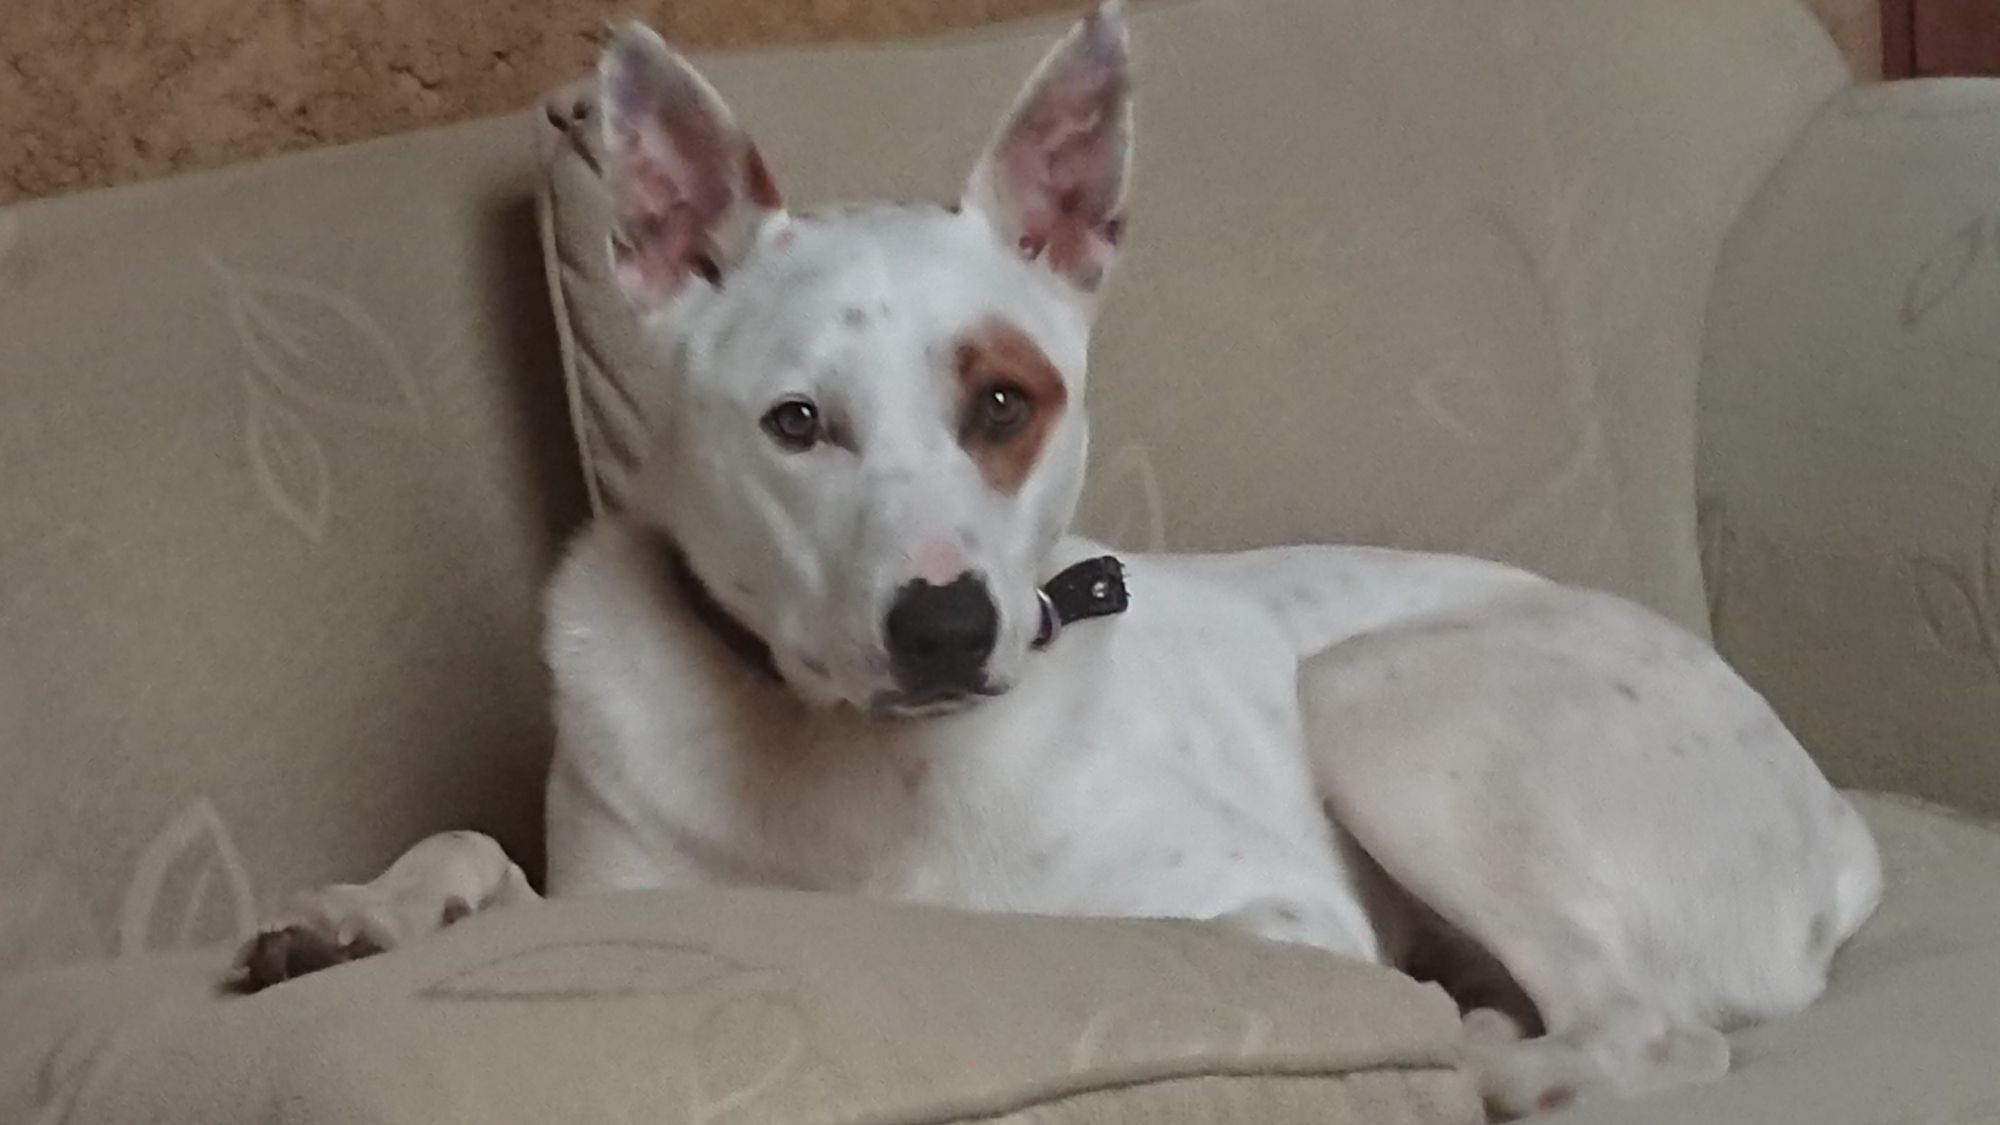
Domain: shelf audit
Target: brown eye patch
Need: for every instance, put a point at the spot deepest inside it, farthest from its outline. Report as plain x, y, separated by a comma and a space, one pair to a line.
1009, 399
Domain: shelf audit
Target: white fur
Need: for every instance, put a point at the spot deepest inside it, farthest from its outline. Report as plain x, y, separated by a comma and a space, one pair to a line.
1516, 771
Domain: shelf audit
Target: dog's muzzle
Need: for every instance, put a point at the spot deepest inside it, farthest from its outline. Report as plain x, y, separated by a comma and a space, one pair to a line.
939, 638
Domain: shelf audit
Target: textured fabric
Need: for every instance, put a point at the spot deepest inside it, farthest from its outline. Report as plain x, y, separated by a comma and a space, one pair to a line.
1905, 1034
749, 1007
740, 1007
1431, 274
283, 463
1850, 426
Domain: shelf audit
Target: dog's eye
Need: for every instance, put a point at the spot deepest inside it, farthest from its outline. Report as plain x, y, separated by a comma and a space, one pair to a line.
794, 424
1000, 412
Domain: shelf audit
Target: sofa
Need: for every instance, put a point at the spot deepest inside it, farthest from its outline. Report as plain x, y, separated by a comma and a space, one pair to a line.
1645, 296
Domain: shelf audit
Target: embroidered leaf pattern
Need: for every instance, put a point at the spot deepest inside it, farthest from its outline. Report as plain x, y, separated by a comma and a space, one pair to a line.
1943, 272
1125, 509
1991, 550
193, 851
744, 1047
321, 350
289, 465
1714, 537
1982, 1112
592, 970
1168, 1028
1949, 608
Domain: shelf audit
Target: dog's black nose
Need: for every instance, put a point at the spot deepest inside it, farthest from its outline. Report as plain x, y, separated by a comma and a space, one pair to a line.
940, 636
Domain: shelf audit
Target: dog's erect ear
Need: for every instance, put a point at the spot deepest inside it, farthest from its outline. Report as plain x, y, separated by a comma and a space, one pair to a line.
688, 187
1053, 180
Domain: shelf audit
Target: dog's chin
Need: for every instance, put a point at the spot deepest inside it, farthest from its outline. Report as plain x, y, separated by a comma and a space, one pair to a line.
926, 705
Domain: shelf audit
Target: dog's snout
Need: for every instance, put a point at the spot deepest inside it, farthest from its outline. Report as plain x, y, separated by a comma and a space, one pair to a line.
940, 636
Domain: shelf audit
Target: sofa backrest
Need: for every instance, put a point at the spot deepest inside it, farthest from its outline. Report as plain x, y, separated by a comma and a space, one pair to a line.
283, 462
1850, 424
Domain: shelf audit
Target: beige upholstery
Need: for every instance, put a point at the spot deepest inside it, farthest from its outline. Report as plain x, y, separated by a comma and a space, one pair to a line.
783, 1008
282, 466
714, 1007
1851, 441
286, 453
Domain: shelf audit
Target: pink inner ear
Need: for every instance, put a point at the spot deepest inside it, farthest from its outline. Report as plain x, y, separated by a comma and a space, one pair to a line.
679, 169
1062, 165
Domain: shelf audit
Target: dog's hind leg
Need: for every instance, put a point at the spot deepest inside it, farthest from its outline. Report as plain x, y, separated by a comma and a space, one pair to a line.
1598, 1042
439, 881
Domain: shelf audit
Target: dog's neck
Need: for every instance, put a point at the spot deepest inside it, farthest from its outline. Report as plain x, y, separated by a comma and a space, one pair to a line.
735, 636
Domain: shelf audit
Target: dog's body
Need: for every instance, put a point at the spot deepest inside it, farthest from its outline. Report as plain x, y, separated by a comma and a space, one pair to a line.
875, 444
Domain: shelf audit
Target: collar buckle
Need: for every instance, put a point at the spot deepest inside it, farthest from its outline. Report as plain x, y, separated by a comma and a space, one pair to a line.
1091, 588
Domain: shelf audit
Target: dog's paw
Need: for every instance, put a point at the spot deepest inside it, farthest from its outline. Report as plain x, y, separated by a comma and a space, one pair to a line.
1489, 1027
442, 879
332, 926
278, 954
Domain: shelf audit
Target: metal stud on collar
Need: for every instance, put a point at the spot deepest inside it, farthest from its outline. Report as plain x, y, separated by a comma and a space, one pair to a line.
1051, 620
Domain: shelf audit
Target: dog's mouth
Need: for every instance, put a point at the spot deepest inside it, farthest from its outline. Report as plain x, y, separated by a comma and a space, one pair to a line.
931, 702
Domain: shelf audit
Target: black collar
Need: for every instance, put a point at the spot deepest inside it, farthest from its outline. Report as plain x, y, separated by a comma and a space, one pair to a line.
734, 635
1091, 588
1080, 591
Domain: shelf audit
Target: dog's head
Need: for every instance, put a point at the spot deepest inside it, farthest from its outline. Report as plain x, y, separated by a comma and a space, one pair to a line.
875, 434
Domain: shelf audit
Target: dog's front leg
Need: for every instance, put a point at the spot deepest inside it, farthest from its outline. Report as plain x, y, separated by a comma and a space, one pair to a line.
439, 881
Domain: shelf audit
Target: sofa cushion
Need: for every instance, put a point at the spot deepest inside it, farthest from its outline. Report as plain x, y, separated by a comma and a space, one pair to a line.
283, 464
761, 1006
745, 1007
1409, 272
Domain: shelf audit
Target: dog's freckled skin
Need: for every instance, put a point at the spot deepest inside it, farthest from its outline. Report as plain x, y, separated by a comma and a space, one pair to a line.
1259, 739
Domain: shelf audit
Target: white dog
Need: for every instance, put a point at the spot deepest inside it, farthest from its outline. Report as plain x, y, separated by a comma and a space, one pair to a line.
826, 649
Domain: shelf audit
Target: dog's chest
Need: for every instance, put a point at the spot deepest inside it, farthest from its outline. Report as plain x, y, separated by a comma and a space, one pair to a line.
1148, 764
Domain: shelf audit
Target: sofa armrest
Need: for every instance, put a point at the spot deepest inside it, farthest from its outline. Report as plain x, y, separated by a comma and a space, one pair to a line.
1850, 440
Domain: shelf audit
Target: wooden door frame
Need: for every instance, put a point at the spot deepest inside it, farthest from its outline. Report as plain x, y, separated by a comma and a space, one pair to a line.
1899, 38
